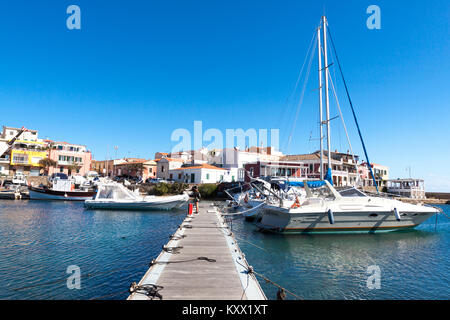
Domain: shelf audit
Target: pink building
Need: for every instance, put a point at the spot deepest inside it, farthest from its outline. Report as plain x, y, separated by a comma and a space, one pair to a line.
71, 159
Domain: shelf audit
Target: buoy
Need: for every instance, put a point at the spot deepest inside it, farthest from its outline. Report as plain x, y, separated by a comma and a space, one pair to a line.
397, 214
330, 216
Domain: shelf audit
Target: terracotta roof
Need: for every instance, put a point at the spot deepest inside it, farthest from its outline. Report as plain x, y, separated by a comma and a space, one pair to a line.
202, 166
309, 156
172, 159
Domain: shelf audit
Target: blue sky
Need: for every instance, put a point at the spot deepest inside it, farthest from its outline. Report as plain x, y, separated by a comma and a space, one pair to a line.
137, 70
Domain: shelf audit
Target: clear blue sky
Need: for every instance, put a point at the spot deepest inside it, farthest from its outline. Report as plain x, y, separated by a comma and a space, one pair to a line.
137, 70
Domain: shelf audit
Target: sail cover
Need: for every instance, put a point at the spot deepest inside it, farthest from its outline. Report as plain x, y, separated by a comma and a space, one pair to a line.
328, 176
311, 184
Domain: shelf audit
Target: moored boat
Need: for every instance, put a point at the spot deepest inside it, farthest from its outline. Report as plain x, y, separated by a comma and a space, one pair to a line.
51, 194
61, 188
115, 196
330, 212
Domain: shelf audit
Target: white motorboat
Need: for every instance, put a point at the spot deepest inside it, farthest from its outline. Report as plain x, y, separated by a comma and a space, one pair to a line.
115, 196
325, 210
19, 179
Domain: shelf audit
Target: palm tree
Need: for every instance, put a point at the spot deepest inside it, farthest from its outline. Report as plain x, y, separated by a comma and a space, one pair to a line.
47, 163
73, 167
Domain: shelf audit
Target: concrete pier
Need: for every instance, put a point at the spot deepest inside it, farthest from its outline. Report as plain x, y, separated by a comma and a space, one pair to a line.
202, 262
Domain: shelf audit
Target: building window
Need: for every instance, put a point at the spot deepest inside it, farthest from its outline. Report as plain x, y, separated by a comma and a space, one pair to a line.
162, 168
179, 176
171, 175
207, 176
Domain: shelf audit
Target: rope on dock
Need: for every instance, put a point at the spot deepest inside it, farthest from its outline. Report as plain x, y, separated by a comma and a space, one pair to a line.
181, 261
281, 294
173, 250
242, 212
150, 290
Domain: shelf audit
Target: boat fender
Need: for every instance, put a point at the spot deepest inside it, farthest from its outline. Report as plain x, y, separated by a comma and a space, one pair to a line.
330, 216
397, 214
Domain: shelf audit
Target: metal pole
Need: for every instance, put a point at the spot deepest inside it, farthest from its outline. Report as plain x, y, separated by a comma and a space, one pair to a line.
320, 105
327, 99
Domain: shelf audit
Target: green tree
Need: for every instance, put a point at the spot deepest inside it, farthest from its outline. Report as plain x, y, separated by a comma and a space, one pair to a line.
73, 168
47, 163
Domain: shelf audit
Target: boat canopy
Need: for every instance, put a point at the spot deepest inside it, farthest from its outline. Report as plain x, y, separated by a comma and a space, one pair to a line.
114, 191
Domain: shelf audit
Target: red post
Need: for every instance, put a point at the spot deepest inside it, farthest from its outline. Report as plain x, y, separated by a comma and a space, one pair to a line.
190, 208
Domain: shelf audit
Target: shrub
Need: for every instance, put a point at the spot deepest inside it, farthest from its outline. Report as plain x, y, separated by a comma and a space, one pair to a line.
161, 189
177, 187
208, 191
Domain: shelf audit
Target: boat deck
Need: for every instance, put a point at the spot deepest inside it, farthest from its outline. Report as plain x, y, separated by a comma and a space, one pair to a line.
185, 277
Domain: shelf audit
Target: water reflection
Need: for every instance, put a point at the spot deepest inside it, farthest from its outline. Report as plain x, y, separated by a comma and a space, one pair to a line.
414, 263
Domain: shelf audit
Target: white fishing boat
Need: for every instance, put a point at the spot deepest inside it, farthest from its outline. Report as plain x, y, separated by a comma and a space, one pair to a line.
61, 188
325, 210
115, 196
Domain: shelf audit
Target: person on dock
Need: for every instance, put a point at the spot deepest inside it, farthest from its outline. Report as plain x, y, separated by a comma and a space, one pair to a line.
197, 196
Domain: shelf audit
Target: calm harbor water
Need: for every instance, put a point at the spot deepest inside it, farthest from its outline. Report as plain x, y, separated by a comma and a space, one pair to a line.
39, 240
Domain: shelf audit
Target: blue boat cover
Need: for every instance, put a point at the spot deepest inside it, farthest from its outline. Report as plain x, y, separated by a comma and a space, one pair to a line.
311, 184
328, 176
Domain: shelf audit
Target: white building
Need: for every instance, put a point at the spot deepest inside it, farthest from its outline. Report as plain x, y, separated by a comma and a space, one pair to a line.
236, 159
165, 165
204, 173
410, 188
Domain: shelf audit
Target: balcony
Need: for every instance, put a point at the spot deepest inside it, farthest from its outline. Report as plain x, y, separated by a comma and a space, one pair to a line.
69, 163
4, 160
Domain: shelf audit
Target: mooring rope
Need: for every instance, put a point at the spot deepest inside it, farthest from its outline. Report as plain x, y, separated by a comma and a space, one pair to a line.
153, 262
242, 212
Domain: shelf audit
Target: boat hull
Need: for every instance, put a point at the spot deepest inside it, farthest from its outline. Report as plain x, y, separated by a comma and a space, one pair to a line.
275, 220
156, 204
47, 194
252, 209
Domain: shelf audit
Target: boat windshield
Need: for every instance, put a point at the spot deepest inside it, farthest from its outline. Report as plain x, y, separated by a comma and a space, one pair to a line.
322, 192
352, 192
114, 192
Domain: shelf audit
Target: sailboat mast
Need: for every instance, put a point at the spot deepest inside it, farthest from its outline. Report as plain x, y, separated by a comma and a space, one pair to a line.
319, 46
327, 99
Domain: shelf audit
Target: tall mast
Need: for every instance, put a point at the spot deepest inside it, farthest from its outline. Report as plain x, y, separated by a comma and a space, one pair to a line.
319, 46
327, 100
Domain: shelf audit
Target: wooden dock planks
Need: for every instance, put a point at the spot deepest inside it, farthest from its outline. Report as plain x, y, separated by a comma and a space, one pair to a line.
205, 235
